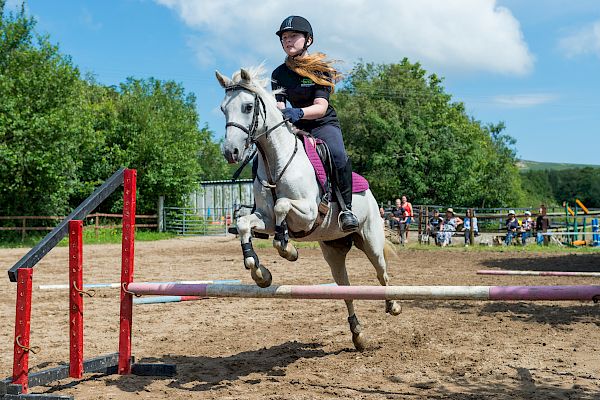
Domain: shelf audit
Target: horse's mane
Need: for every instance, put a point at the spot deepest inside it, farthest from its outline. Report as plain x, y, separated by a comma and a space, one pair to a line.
257, 83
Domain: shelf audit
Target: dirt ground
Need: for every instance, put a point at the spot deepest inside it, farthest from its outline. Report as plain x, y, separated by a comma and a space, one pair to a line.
302, 349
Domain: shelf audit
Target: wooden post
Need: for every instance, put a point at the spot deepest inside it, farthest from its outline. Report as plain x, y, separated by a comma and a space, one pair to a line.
75, 299
23, 229
161, 214
97, 226
472, 228
22, 328
127, 266
420, 220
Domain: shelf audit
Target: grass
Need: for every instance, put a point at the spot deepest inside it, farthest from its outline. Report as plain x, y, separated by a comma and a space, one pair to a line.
531, 248
526, 165
105, 236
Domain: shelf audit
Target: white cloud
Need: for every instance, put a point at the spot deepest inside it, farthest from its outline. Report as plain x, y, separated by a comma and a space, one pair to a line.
584, 41
524, 100
457, 35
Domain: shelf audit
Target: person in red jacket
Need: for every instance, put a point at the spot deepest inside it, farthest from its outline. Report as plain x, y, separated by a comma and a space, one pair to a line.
409, 211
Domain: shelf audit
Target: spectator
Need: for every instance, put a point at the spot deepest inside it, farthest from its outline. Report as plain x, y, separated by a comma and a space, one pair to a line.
384, 217
398, 217
409, 216
467, 227
526, 227
433, 225
542, 223
448, 228
512, 227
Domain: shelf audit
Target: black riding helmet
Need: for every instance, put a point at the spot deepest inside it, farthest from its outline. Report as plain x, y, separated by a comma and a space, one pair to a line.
297, 24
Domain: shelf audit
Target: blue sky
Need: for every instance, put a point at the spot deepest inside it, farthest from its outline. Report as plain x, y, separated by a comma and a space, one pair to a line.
533, 64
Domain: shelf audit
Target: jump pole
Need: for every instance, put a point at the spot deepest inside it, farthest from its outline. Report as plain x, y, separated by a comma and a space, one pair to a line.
316, 292
538, 273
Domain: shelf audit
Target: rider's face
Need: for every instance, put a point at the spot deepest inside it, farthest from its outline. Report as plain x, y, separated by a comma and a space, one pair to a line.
293, 43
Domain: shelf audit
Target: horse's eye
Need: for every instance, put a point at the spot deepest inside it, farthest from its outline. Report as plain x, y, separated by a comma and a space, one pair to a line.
247, 108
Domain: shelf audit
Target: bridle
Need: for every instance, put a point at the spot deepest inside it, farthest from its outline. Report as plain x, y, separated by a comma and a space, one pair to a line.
252, 129
253, 135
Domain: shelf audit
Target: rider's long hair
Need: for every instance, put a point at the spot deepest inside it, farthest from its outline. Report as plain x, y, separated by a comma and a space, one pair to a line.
316, 67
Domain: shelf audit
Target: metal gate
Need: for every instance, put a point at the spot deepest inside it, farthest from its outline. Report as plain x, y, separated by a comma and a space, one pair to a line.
192, 221
211, 208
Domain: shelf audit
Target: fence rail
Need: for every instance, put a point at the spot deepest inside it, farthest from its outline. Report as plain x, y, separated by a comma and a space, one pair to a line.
23, 227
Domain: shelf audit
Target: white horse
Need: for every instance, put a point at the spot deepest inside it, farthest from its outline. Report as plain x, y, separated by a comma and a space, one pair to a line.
287, 193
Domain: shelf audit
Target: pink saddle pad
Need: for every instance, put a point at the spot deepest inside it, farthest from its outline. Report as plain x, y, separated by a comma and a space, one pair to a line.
359, 183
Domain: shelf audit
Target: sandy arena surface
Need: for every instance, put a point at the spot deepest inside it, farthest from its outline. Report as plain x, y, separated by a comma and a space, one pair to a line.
293, 349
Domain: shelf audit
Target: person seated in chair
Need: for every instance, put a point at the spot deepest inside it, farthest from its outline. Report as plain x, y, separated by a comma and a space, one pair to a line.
434, 224
398, 217
306, 81
527, 226
512, 227
448, 228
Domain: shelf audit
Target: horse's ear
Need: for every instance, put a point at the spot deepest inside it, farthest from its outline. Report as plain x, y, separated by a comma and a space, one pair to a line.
223, 80
245, 75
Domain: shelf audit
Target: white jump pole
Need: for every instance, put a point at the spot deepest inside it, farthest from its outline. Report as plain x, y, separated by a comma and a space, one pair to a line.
548, 293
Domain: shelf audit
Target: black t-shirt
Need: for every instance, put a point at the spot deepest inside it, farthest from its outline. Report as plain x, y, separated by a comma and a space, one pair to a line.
301, 92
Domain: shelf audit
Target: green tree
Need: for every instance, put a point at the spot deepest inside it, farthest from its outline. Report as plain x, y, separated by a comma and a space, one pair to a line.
152, 126
40, 118
406, 136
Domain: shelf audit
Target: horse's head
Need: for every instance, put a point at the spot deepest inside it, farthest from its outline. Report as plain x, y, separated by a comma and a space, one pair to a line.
245, 113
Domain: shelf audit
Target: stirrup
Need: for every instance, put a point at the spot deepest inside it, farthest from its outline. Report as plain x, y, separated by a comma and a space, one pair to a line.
350, 227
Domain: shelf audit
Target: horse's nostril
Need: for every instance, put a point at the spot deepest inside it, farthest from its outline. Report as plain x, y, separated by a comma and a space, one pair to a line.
236, 152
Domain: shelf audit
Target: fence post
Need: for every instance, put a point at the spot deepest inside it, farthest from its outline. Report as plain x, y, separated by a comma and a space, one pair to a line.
75, 299
23, 228
161, 214
97, 226
471, 228
127, 265
419, 231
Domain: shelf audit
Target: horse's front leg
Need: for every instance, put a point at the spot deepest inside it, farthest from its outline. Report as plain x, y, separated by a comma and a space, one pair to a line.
303, 215
245, 224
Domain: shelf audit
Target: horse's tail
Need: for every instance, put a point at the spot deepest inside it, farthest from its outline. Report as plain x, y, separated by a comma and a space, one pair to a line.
389, 250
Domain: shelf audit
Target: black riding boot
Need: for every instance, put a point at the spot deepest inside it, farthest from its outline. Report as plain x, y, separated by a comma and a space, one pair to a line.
347, 219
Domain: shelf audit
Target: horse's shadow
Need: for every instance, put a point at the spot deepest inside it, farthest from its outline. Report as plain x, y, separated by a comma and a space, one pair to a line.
201, 373
557, 316
588, 262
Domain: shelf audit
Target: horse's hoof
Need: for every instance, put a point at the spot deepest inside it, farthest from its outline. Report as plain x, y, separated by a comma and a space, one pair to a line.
262, 276
360, 341
292, 252
393, 307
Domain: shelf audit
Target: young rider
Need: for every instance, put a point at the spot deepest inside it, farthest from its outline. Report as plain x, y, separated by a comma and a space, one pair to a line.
308, 80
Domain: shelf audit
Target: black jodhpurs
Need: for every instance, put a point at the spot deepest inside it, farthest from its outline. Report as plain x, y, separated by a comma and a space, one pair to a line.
332, 135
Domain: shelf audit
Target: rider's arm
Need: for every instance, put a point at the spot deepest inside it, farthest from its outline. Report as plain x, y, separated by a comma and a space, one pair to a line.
316, 110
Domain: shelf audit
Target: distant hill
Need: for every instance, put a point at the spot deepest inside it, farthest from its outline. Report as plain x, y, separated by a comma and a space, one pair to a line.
526, 165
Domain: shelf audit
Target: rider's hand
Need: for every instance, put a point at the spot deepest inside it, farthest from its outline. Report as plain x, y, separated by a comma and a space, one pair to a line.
292, 114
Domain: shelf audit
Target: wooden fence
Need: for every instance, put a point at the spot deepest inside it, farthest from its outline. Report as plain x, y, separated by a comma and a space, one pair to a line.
23, 227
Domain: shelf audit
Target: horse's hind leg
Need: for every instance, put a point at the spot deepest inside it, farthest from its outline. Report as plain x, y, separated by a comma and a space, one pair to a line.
335, 252
375, 251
